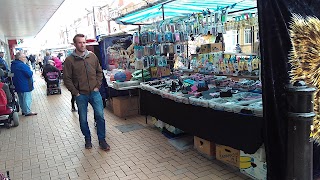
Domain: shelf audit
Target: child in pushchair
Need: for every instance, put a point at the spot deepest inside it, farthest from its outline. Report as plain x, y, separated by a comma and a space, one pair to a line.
52, 77
53, 83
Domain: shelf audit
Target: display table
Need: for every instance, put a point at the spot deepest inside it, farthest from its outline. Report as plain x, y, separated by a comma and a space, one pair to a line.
243, 132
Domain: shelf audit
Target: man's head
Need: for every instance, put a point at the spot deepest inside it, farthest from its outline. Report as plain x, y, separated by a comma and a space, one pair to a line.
47, 53
20, 56
1, 54
79, 42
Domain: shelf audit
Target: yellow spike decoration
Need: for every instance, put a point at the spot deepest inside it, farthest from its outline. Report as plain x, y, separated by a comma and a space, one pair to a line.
305, 59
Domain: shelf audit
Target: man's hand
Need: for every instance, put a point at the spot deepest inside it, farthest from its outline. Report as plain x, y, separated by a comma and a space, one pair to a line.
78, 94
96, 89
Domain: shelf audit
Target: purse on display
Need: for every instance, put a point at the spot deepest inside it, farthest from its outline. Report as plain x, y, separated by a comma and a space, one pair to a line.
177, 37
168, 37
171, 48
152, 50
146, 62
146, 50
144, 38
162, 61
138, 51
157, 49
178, 49
164, 48
152, 61
159, 38
151, 37
136, 38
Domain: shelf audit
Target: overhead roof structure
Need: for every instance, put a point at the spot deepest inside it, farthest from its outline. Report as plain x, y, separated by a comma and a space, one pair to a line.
25, 18
174, 8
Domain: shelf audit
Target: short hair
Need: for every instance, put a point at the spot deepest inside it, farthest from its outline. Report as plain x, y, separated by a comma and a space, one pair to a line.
47, 54
78, 35
17, 55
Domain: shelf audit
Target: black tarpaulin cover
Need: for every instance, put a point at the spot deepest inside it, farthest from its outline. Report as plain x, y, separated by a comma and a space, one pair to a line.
274, 19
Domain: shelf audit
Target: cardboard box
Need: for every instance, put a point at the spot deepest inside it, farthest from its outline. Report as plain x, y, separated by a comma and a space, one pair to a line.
125, 106
110, 104
257, 171
205, 147
216, 47
254, 165
204, 48
228, 155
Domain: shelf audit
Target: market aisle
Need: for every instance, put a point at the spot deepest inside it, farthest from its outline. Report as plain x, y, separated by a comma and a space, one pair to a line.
50, 146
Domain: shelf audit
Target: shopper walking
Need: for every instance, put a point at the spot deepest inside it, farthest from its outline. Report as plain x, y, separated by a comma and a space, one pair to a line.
3, 62
46, 58
82, 75
23, 82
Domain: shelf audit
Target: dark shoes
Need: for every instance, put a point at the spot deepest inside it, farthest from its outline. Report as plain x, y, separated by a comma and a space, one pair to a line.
88, 144
30, 114
73, 109
104, 145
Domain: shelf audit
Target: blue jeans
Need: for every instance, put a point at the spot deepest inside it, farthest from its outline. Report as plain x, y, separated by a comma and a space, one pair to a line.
94, 98
25, 100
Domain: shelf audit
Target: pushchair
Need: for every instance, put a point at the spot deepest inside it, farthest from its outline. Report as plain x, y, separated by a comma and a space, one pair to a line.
53, 83
9, 117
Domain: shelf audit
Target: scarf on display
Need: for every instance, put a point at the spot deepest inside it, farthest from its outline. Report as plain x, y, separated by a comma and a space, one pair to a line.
305, 60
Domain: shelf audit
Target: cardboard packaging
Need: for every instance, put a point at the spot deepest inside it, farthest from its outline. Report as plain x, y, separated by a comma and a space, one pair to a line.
204, 48
205, 147
228, 155
254, 165
125, 106
216, 47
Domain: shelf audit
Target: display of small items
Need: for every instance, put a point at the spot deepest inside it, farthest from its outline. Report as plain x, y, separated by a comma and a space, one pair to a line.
119, 57
247, 65
153, 47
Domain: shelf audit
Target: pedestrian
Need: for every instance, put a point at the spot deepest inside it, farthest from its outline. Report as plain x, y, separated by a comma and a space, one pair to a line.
23, 82
46, 58
3, 62
40, 62
32, 59
82, 75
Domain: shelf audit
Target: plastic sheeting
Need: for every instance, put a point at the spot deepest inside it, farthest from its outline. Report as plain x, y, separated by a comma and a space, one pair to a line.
184, 8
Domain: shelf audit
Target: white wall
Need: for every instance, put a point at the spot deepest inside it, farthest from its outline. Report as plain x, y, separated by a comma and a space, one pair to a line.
2, 38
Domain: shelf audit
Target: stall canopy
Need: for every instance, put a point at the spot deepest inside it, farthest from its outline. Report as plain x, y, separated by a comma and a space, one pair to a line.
183, 8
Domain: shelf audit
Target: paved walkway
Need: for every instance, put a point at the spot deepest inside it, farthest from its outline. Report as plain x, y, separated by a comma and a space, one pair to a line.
51, 146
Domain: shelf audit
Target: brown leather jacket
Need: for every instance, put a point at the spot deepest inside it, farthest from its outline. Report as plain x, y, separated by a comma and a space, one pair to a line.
82, 74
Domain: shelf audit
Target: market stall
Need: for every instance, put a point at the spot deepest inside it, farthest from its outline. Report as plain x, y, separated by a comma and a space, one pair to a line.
170, 99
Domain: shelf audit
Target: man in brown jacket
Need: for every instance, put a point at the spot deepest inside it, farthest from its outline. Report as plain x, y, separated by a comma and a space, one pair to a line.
82, 75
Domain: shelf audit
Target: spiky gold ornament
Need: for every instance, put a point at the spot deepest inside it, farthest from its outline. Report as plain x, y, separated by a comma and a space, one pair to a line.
305, 59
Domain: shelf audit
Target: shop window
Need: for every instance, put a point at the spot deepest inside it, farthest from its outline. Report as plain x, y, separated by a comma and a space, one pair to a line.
247, 36
230, 39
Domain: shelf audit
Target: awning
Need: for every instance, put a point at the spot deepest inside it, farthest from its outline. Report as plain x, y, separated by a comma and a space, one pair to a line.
174, 8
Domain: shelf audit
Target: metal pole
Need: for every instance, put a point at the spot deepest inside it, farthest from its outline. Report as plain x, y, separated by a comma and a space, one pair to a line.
300, 117
162, 7
94, 23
